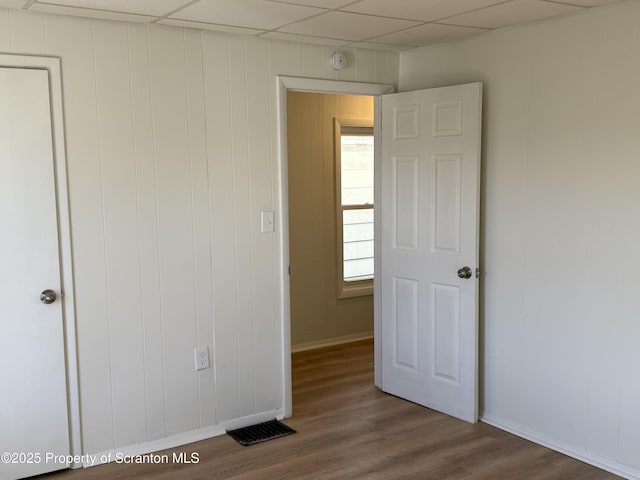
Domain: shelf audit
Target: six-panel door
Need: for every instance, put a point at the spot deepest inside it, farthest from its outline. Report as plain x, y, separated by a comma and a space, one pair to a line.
430, 198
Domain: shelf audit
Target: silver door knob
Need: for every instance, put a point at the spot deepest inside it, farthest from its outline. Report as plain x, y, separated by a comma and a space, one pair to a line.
465, 272
48, 296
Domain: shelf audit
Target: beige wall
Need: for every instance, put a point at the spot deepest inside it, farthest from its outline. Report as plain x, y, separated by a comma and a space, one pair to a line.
172, 155
317, 315
561, 326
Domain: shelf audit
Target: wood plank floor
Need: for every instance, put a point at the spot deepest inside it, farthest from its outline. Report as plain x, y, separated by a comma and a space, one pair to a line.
348, 429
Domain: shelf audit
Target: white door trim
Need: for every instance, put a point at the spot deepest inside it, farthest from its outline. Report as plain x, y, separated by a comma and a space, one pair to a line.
52, 65
283, 84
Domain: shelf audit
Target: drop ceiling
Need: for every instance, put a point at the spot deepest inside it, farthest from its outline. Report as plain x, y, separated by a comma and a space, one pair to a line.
380, 24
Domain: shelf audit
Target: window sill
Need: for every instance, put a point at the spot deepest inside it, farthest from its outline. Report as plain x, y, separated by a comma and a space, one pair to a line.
357, 289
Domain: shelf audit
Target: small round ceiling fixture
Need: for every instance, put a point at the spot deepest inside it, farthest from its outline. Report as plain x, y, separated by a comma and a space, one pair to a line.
338, 61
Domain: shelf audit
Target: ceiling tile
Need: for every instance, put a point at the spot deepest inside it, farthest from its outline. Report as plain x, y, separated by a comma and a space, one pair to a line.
291, 37
330, 4
246, 13
209, 26
511, 13
427, 35
587, 3
426, 10
380, 46
349, 26
85, 12
155, 8
12, 3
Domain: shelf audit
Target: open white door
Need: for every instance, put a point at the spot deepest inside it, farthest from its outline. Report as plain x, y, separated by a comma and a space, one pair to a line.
34, 429
429, 247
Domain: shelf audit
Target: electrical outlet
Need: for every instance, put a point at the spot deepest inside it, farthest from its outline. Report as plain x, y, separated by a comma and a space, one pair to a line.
202, 358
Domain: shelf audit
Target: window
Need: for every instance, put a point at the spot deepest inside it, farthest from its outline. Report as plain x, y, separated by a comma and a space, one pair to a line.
354, 188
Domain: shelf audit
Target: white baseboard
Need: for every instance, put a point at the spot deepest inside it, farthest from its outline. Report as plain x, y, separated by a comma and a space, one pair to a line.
570, 450
177, 440
330, 342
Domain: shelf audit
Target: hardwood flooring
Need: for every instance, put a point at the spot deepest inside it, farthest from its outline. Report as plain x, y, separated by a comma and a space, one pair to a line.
348, 429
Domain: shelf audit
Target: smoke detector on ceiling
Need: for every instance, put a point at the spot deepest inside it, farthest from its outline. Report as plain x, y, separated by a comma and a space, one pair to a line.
338, 61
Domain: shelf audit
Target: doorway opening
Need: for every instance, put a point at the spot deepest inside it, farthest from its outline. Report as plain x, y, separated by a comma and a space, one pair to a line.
294, 84
331, 226
331, 206
426, 348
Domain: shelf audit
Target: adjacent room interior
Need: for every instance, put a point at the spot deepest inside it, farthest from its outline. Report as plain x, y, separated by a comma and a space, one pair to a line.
330, 180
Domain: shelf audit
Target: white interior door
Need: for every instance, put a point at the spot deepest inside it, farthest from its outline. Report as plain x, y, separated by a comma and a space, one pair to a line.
429, 247
33, 399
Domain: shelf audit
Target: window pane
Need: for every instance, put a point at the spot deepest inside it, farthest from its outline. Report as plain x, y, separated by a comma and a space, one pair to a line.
357, 232
355, 250
357, 169
355, 270
359, 215
357, 236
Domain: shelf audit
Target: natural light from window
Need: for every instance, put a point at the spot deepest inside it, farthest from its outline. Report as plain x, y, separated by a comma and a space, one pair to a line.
357, 206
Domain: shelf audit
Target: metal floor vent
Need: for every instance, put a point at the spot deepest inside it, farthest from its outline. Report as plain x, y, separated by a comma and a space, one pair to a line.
260, 433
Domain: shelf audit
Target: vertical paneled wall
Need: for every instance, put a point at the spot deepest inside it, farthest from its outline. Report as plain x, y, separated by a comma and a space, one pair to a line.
171, 143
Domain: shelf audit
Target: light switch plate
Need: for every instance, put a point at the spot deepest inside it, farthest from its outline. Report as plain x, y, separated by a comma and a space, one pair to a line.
267, 222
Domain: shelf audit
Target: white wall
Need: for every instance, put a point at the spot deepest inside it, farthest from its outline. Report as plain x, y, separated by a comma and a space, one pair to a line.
171, 141
561, 321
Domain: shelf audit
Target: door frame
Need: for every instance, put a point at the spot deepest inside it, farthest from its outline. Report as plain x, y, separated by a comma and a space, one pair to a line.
283, 305
53, 66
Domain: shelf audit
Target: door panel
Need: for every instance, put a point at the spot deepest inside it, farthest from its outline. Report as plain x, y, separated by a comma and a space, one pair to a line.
446, 331
405, 198
447, 183
406, 319
33, 404
429, 215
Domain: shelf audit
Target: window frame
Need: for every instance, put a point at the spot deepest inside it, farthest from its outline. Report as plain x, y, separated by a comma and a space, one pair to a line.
356, 126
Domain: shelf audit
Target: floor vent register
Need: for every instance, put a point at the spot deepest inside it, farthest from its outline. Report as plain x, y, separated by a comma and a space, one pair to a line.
261, 432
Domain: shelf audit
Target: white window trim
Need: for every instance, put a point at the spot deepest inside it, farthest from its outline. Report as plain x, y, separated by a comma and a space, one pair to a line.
356, 288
